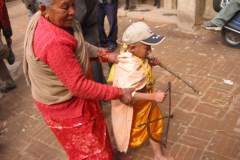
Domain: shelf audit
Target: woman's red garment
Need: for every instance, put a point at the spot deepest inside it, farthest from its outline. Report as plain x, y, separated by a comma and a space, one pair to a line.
78, 123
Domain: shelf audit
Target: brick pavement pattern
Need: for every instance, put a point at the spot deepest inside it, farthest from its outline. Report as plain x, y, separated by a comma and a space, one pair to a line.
205, 127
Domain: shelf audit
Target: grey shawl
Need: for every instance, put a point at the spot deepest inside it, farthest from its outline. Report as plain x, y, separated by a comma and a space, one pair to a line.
45, 86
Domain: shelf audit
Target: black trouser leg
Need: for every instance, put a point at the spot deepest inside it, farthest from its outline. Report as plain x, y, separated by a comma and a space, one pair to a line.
101, 13
111, 12
157, 3
126, 4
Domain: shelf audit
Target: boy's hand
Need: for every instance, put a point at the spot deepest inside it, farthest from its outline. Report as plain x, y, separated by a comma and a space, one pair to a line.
159, 96
153, 61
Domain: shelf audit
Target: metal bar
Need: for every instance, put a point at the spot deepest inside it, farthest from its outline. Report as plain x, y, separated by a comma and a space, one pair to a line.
155, 120
178, 77
169, 112
234, 30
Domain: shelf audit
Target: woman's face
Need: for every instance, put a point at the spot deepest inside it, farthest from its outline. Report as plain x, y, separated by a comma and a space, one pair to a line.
61, 13
141, 50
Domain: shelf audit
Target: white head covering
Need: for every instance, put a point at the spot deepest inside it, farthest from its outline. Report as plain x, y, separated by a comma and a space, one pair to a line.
141, 32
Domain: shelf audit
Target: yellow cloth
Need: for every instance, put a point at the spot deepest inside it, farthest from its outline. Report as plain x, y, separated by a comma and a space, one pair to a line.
111, 74
133, 72
141, 110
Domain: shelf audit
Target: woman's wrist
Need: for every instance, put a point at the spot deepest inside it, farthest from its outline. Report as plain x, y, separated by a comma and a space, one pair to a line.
121, 92
103, 54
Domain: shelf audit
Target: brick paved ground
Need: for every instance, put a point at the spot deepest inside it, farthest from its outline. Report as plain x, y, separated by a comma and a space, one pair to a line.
205, 127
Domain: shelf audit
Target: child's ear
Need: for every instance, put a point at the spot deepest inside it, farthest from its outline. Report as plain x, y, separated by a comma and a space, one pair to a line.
131, 48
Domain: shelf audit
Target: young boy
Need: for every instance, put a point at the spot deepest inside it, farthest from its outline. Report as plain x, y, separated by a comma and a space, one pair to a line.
134, 70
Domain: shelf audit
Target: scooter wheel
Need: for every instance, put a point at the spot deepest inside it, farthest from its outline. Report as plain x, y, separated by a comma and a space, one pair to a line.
231, 38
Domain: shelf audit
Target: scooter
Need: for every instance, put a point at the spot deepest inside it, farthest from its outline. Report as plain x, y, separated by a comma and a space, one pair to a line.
231, 30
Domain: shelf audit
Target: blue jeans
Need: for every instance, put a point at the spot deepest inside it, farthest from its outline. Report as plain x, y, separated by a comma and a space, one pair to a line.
109, 10
98, 72
226, 13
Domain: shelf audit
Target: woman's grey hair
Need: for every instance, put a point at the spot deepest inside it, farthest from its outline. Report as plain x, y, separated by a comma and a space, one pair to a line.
47, 3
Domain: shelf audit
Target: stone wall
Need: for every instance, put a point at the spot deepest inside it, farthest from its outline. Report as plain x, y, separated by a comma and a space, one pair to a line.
190, 13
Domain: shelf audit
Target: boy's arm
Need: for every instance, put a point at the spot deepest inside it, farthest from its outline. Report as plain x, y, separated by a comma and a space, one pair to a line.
155, 96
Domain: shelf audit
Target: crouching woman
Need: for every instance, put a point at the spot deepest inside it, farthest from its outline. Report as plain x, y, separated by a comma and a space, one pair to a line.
56, 65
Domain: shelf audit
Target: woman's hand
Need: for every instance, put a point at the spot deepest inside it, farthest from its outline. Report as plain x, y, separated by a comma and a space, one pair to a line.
107, 56
112, 57
126, 98
159, 96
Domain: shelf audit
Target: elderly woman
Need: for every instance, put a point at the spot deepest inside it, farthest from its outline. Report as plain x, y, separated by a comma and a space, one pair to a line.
56, 62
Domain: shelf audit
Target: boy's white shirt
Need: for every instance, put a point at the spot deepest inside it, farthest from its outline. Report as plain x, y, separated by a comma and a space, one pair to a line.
128, 74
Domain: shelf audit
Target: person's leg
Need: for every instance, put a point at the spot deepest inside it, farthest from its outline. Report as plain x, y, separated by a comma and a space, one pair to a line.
98, 72
111, 11
132, 4
89, 23
226, 13
11, 57
126, 5
157, 3
81, 11
4, 52
7, 81
100, 17
158, 153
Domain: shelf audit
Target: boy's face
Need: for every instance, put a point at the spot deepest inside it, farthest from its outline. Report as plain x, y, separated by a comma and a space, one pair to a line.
141, 50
